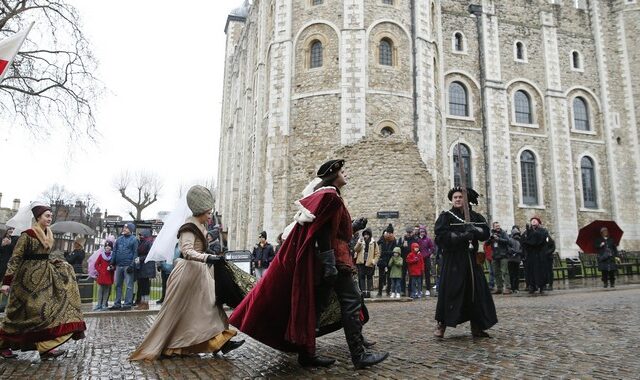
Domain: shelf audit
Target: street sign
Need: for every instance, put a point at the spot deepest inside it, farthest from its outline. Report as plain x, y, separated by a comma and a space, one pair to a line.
388, 214
238, 256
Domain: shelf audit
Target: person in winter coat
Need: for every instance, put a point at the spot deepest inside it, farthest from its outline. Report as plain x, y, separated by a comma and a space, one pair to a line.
395, 272
125, 250
499, 241
367, 255
387, 243
144, 270
405, 245
105, 276
415, 263
607, 254
535, 242
514, 258
262, 255
76, 257
427, 248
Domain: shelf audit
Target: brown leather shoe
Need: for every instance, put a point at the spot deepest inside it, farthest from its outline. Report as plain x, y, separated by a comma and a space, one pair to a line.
439, 331
142, 306
507, 291
496, 291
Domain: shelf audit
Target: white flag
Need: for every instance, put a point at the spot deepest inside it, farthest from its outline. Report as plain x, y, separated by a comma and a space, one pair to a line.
9, 48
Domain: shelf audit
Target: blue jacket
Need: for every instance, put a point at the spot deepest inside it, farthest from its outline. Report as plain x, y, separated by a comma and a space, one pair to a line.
125, 250
168, 267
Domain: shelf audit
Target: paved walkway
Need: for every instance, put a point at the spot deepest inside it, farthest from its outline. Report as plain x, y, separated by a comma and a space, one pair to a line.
588, 333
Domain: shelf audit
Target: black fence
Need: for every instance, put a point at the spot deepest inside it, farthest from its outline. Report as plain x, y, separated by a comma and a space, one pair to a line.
89, 288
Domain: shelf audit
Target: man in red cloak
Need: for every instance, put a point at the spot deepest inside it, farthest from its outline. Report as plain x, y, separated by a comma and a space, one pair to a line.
284, 308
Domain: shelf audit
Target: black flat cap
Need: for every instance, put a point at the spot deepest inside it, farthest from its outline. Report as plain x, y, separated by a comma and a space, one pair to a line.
472, 195
330, 167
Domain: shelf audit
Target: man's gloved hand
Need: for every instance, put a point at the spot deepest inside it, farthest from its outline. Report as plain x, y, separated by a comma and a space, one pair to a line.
476, 232
458, 237
214, 258
327, 261
359, 224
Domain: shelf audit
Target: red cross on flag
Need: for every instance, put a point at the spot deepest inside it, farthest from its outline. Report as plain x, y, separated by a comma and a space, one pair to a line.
9, 48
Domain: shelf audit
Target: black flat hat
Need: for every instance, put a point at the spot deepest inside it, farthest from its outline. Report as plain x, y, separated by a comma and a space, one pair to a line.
330, 167
472, 195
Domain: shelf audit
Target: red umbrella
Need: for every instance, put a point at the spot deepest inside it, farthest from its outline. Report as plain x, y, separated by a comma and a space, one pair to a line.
589, 233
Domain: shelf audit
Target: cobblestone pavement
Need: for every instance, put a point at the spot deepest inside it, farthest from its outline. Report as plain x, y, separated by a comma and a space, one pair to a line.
584, 333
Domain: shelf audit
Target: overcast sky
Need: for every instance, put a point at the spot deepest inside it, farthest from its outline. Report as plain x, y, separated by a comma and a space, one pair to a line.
162, 63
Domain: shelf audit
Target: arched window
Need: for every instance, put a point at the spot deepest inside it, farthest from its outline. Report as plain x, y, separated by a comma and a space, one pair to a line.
580, 114
316, 54
529, 178
520, 51
387, 2
575, 60
465, 154
386, 131
458, 42
522, 103
589, 195
316, 2
386, 52
458, 100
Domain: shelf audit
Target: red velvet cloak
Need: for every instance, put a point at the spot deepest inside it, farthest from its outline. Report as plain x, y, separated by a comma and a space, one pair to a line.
280, 310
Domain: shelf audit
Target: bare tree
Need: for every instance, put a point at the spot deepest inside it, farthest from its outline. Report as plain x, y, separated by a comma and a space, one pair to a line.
144, 188
51, 81
59, 198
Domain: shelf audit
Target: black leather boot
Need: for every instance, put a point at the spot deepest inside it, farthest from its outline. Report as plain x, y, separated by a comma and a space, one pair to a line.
306, 360
367, 343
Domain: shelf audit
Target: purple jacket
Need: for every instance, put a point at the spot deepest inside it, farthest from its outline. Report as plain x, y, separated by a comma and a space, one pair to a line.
426, 246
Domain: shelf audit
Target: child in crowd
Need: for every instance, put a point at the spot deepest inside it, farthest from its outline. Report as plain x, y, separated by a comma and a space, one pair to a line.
105, 276
395, 272
415, 264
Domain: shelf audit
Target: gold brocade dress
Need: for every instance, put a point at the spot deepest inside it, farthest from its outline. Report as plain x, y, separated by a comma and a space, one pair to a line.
43, 310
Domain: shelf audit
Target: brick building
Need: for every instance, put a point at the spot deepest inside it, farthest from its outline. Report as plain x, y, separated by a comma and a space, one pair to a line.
539, 92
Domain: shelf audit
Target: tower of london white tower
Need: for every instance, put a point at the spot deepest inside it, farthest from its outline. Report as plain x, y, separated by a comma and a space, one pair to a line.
540, 95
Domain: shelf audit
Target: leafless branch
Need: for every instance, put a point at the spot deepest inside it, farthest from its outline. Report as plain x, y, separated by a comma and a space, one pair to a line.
50, 83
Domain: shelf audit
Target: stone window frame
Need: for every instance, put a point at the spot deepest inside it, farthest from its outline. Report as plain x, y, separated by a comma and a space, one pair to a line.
529, 105
470, 85
310, 3
596, 180
572, 61
386, 124
593, 122
454, 43
308, 42
391, 38
533, 105
389, 3
472, 158
539, 178
524, 51
388, 41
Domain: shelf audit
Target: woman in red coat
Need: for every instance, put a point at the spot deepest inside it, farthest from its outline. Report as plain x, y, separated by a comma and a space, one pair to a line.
105, 276
415, 264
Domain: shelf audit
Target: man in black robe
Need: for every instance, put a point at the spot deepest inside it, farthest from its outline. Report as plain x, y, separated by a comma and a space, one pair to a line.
536, 245
463, 293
